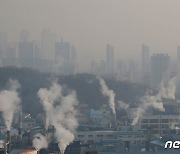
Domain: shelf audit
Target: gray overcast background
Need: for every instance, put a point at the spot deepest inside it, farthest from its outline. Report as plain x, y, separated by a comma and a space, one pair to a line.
91, 24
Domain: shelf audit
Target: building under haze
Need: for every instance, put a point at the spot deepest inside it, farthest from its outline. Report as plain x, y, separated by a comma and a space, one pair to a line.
48, 45
133, 73
26, 50
160, 65
145, 64
73, 59
178, 59
65, 57
110, 59
62, 50
11, 59
94, 67
24, 36
3, 45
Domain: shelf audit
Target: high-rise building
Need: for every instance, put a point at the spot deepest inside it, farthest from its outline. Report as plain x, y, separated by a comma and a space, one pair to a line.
178, 59
62, 50
110, 59
145, 62
94, 67
121, 67
48, 45
73, 57
11, 52
103, 67
160, 65
3, 45
39, 63
26, 52
11, 59
133, 73
121, 70
73, 54
145, 59
24, 36
64, 57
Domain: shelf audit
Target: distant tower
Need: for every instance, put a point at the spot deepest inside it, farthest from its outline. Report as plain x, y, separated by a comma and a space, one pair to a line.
145, 64
73, 59
121, 67
65, 54
10, 59
160, 65
110, 59
178, 59
73, 54
94, 67
48, 45
26, 52
62, 50
3, 45
24, 36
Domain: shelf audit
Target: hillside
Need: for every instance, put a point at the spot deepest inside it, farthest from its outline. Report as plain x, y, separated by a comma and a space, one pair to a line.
86, 86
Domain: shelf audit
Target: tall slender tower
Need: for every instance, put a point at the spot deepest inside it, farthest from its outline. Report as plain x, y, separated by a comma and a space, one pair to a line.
145, 63
110, 59
160, 65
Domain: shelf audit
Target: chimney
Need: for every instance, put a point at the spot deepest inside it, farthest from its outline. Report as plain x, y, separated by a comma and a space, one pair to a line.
8, 136
8, 142
126, 146
20, 124
114, 121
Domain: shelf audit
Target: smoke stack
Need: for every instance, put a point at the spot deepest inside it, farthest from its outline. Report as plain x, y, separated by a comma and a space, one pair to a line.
8, 142
20, 124
126, 146
147, 145
8, 136
113, 125
53, 129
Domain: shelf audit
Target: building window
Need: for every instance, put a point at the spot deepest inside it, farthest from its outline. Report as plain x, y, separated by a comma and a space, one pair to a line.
99, 135
109, 135
80, 136
153, 120
164, 120
144, 126
145, 121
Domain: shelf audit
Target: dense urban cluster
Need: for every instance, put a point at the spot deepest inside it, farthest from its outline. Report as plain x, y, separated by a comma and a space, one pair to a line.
72, 127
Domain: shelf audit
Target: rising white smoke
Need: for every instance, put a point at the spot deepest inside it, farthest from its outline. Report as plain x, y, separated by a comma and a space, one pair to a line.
147, 101
168, 91
122, 105
60, 112
10, 102
109, 93
40, 142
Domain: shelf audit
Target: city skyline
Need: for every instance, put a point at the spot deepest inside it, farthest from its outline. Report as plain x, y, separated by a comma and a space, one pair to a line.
125, 25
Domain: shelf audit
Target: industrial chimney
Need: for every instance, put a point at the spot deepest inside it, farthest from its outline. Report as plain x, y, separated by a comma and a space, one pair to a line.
20, 124
8, 142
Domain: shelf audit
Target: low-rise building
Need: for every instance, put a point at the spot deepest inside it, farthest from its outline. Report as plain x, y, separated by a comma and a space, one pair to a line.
101, 117
120, 136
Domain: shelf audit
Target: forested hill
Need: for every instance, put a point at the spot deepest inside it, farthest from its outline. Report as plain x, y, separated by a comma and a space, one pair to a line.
86, 86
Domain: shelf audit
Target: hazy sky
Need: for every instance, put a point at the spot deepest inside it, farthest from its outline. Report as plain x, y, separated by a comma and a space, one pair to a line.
91, 24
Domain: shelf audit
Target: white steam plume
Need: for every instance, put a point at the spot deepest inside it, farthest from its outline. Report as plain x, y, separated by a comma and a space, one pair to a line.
40, 142
168, 91
10, 102
62, 116
147, 101
122, 105
109, 93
